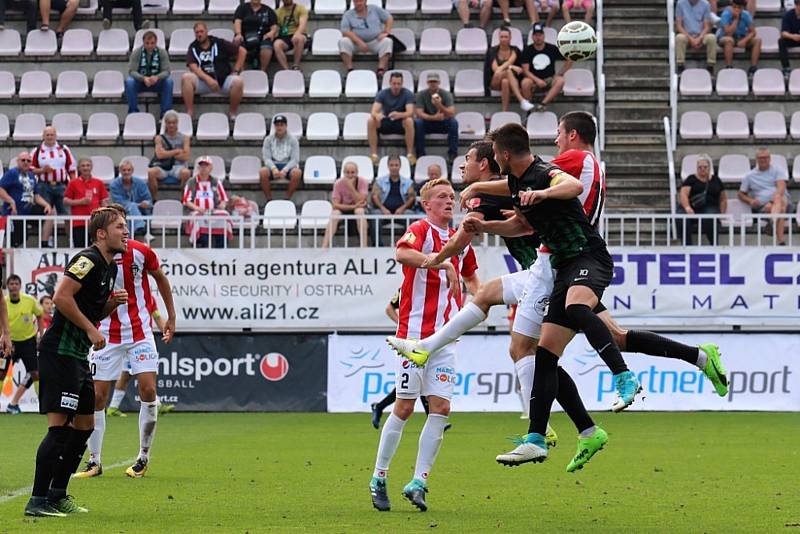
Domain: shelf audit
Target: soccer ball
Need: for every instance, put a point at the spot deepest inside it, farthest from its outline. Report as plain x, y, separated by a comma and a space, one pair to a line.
577, 41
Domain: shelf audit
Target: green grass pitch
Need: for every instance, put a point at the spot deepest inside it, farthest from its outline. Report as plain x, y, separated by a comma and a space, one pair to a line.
660, 472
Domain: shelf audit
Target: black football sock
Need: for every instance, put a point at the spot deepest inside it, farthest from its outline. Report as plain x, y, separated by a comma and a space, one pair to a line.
424, 400
387, 400
595, 330
47, 457
569, 399
545, 390
655, 345
68, 462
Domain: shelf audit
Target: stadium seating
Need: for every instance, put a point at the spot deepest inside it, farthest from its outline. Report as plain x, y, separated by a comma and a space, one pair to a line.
10, 43
768, 82
29, 126
769, 125
319, 170
249, 127
325, 84
213, 127
504, 117
244, 170
165, 215
733, 167
113, 42
39, 43
179, 42
77, 42
68, 125
256, 84
326, 42
139, 127
423, 162
218, 167
696, 82
733, 125
435, 41
5, 128
471, 125
401, 7
696, 125
544, 126
289, 84
361, 83
103, 167
365, 167
72, 84
294, 123
184, 125
108, 84
436, 7
579, 82
280, 215
315, 214
731, 82
444, 79
140, 165
469, 82
7, 84
516, 38
35, 84
323, 126
406, 36
355, 126
471, 41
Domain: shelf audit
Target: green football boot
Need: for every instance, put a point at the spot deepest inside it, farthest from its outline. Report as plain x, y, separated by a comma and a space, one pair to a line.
550, 436
587, 447
39, 507
714, 370
66, 505
410, 349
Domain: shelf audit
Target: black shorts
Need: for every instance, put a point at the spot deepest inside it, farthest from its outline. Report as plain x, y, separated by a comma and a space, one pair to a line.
288, 40
65, 385
389, 126
26, 351
58, 5
592, 269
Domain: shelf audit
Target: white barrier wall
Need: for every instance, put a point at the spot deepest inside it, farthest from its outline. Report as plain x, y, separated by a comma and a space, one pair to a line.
764, 370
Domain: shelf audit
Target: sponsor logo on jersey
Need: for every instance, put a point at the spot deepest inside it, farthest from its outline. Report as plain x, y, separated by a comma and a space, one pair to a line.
69, 401
81, 267
274, 366
409, 238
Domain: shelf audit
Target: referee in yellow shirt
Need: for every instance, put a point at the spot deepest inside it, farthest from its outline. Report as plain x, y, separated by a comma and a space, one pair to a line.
24, 312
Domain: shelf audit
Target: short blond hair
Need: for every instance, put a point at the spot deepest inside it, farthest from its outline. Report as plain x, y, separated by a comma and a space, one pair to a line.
425, 192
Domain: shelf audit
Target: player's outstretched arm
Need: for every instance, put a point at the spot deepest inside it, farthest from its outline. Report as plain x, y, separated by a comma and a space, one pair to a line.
562, 187
165, 290
494, 187
514, 227
454, 246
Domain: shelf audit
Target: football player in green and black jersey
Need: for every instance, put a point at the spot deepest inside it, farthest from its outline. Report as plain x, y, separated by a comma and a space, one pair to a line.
66, 394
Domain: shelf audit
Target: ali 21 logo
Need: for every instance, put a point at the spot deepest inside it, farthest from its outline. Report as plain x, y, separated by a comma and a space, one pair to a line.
274, 366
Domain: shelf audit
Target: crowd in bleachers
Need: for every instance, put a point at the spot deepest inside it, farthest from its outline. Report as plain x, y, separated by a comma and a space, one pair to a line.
745, 30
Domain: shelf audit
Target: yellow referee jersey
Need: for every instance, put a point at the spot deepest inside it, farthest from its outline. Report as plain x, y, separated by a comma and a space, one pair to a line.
21, 317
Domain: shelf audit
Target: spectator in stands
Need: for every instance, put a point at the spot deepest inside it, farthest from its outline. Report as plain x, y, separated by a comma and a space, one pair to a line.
28, 8
764, 190
702, 193
435, 114
693, 28
108, 7
501, 70
132, 193
67, 10
209, 61
171, 161
393, 194
20, 192
292, 33
463, 7
205, 195
392, 113
255, 27
244, 208
736, 29
349, 196
366, 28
84, 194
790, 35
54, 165
539, 69
433, 172
588, 7
281, 155
148, 70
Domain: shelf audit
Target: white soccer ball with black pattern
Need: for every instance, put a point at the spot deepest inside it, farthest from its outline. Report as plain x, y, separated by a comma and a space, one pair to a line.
577, 41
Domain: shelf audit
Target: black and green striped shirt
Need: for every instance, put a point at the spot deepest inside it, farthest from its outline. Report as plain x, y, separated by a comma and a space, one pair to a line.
523, 248
561, 225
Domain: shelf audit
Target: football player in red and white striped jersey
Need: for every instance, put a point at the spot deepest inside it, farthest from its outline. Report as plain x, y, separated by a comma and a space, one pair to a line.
428, 297
130, 341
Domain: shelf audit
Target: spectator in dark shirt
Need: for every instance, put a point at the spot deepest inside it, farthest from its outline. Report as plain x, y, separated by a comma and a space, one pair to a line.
136, 12
255, 27
702, 193
539, 68
393, 193
28, 8
790, 35
21, 194
436, 114
392, 113
209, 61
148, 70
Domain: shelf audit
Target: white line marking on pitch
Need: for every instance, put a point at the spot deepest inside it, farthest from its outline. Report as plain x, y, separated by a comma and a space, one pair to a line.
27, 489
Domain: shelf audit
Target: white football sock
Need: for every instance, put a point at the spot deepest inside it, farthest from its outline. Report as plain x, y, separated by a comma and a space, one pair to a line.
390, 438
467, 318
116, 398
95, 444
702, 359
430, 441
524, 367
148, 415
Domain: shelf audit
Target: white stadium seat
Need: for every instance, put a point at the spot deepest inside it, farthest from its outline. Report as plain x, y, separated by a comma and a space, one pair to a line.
8, 86
188, 7
113, 42
329, 7
326, 42
213, 127
288, 84
733, 125
689, 166
355, 126
796, 169
10, 43
423, 162
771, 6
315, 214
320, 170
769, 125
794, 126
222, 7
516, 38
102, 127
139, 127
103, 168
323, 126
436, 7
501, 118
222, 33
780, 163
469, 82
769, 82
769, 38
5, 127
294, 124
29, 127
77, 42
176, 76
108, 84
471, 125
39, 43
456, 176
543, 126
280, 215
578, 82
406, 36
738, 213
444, 79
365, 167
435, 41
140, 165
732, 82
471, 41
401, 7
733, 167
72, 84
244, 170
68, 125
256, 83
89, 9
35, 84
361, 83
325, 84
695, 82
696, 125
179, 42
249, 127
166, 215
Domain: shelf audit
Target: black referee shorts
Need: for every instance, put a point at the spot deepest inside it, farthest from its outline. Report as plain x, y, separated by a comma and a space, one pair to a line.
65, 385
26, 351
592, 269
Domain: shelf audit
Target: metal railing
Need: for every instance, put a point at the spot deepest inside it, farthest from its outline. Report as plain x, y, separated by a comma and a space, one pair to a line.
601, 78
673, 76
640, 230
673, 188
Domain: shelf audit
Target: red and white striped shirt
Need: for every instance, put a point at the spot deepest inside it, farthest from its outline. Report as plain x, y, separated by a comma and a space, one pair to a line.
131, 322
202, 194
426, 303
584, 166
59, 158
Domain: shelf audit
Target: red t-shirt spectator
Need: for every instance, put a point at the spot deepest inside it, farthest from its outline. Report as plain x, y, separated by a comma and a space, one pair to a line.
79, 188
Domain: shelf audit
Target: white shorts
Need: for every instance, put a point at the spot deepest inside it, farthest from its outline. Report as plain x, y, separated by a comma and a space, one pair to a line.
137, 357
535, 296
436, 378
514, 286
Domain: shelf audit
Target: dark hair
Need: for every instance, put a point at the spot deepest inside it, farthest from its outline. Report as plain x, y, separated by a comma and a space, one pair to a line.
13, 277
511, 137
394, 157
504, 28
740, 3
100, 219
148, 34
484, 150
582, 123
396, 74
41, 299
